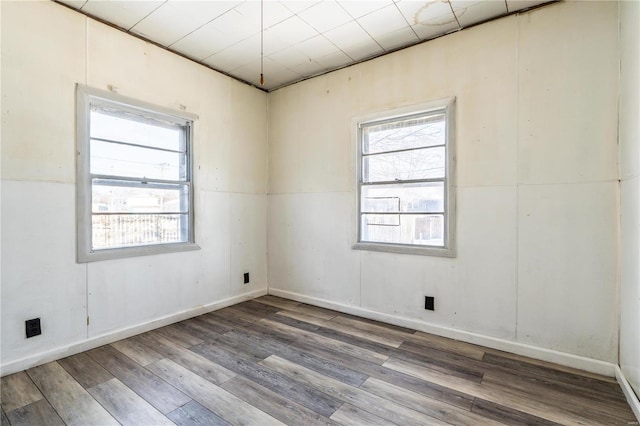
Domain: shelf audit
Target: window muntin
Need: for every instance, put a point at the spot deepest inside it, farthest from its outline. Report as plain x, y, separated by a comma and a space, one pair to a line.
135, 191
405, 189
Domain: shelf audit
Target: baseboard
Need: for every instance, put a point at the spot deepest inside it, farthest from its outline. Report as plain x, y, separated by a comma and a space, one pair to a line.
631, 396
123, 333
562, 358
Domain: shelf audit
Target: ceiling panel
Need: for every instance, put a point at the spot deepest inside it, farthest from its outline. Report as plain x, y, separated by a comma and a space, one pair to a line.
383, 21
417, 12
124, 14
400, 38
325, 16
444, 24
301, 37
473, 12
358, 8
175, 19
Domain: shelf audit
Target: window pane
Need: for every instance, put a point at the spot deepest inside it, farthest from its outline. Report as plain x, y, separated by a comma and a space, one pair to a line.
423, 230
404, 134
424, 163
132, 130
415, 197
128, 230
130, 161
110, 196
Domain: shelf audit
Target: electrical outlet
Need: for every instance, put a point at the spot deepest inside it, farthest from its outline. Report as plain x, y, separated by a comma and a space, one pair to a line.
32, 327
246, 278
429, 303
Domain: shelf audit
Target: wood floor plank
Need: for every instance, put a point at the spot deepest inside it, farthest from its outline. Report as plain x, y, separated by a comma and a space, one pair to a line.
303, 394
439, 410
493, 394
587, 407
550, 365
17, 391
179, 335
37, 413
384, 339
543, 371
86, 371
263, 347
274, 404
339, 345
194, 414
211, 323
278, 302
205, 368
125, 405
447, 345
154, 390
432, 390
204, 330
368, 327
314, 311
224, 404
380, 407
70, 400
141, 354
354, 416
507, 415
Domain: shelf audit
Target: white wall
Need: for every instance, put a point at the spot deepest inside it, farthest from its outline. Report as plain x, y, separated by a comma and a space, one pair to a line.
46, 50
537, 183
630, 193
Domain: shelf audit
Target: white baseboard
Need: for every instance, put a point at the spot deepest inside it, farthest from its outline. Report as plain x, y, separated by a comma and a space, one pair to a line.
123, 333
562, 358
631, 396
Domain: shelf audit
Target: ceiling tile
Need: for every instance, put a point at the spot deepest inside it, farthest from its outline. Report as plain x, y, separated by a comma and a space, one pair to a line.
274, 12
347, 35
325, 16
417, 12
175, 19
334, 60
364, 50
76, 4
397, 39
383, 21
287, 33
275, 75
473, 12
515, 5
297, 6
124, 14
436, 27
358, 8
317, 47
210, 38
297, 61
237, 55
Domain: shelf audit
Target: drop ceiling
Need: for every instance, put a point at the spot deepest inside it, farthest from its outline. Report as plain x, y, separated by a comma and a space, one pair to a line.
302, 38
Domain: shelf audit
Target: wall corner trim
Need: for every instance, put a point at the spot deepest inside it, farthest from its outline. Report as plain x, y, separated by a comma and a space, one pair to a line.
631, 396
123, 333
568, 360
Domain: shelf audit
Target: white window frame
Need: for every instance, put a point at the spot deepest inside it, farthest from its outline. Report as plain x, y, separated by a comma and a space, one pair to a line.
446, 106
85, 97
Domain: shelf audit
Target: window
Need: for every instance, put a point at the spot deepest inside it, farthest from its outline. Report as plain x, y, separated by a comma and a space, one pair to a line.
406, 200
134, 178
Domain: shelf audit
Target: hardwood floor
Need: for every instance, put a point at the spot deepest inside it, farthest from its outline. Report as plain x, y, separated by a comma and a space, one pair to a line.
273, 361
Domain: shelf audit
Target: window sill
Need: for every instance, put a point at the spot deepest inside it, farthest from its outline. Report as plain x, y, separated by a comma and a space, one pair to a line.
120, 253
406, 249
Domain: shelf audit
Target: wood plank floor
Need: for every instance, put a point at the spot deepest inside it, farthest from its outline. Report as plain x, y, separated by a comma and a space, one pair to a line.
272, 361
